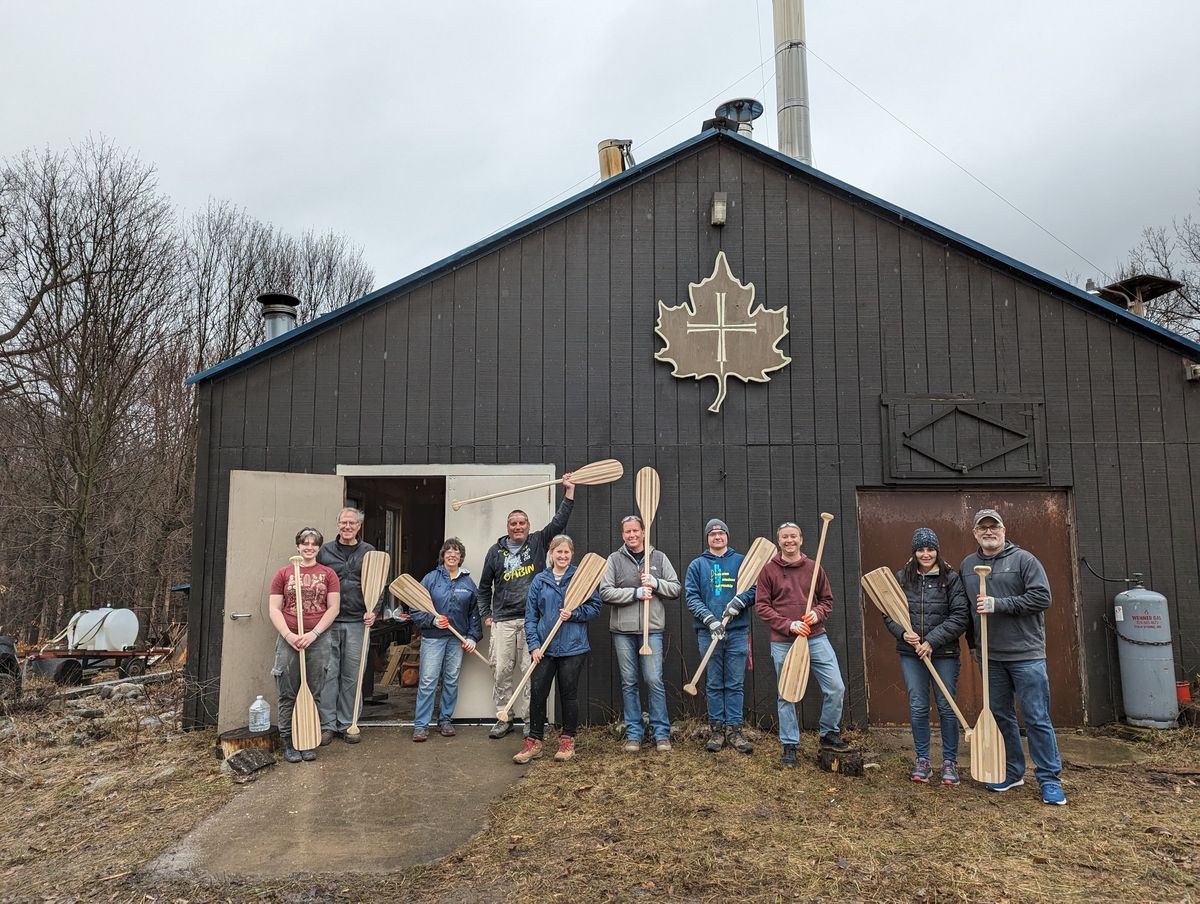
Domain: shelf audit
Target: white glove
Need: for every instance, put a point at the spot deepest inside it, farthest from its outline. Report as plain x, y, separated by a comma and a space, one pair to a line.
985, 605
644, 593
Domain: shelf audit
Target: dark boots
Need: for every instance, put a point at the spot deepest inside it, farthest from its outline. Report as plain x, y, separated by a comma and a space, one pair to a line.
737, 740
716, 737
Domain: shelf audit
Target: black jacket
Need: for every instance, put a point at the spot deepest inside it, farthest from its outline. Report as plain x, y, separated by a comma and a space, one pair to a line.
940, 616
347, 562
506, 577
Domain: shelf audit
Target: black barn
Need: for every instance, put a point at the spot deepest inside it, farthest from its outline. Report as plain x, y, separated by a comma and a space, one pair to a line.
929, 376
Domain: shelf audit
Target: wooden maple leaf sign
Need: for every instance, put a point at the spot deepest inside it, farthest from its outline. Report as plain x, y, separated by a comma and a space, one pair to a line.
720, 333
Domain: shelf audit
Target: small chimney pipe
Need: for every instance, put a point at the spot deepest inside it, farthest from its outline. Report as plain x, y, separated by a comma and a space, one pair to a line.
615, 157
791, 80
278, 312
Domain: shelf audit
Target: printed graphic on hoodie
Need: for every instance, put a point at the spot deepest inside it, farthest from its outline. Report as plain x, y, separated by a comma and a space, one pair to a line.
720, 579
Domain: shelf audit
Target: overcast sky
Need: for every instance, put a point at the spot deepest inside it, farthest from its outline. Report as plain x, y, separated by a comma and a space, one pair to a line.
417, 130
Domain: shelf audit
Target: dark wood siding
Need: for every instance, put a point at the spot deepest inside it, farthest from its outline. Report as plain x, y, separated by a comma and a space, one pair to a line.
540, 348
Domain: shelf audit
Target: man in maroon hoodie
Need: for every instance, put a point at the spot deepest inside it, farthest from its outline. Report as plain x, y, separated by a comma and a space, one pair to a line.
779, 598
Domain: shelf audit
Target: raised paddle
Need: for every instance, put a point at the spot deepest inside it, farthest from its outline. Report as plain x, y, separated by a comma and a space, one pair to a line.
374, 575
884, 591
646, 492
584, 582
412, 592
987, 749
756, 557
793, 677
306, 724
597, 472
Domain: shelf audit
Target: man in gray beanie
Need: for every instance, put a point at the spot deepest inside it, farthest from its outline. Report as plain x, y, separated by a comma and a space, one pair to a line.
708, 591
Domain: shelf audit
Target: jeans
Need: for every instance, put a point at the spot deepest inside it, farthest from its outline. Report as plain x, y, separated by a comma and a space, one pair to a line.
286, 670
510, 658
1028, 681
918, 680
823, 663
441, 657
626, 647
567, 669
725, 677
337, 697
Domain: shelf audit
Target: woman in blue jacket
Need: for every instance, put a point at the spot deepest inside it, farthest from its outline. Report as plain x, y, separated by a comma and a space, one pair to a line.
453, 593
565, 655
940, 614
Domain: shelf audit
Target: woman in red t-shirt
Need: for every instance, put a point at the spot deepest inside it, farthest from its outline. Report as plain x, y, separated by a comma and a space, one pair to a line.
320, 596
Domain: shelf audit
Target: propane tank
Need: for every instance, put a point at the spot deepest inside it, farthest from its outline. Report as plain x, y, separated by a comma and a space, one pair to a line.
103, 629
1147, 657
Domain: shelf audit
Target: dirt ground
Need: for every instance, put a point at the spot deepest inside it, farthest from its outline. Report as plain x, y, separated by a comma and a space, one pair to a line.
89, 800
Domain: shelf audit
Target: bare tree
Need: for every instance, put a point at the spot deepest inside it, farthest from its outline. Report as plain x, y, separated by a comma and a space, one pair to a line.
1172, 252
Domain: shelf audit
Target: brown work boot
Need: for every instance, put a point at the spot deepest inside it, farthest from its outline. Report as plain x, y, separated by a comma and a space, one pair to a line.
531, 751
566, 748
737, 739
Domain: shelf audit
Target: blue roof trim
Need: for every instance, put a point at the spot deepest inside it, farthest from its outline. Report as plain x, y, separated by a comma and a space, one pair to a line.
1119, 314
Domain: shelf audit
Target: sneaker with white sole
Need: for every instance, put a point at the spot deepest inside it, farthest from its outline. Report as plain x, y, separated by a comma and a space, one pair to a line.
1052, 793
1007, 785
663, 745
632, 746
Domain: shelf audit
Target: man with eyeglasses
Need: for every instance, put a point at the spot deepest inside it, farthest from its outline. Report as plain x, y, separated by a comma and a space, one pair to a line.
1018, 594
780, 599
708, 590
624, 587
509, 568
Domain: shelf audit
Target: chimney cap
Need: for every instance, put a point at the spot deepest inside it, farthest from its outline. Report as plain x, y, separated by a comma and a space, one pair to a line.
740, 109
268, 299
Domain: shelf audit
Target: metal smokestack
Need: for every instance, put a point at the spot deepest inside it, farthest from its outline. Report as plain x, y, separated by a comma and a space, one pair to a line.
791, 80
278, 312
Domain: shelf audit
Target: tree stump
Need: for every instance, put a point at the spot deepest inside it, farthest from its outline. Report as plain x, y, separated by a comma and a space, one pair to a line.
230, 742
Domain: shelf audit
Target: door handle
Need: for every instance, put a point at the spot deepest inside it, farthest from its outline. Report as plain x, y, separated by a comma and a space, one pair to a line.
234, 616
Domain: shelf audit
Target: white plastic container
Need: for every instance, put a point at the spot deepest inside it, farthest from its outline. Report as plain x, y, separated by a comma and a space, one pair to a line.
102, 629
260, 715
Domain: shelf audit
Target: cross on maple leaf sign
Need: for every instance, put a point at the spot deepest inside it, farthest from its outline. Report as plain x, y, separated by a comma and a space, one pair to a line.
720, 333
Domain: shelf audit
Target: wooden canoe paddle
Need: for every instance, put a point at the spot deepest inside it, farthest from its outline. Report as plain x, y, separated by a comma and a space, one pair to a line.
597, 472
306, 723
412, 593
987, 749
374, 576
584, 582
884, 591
646, 492
756, 557
793, 677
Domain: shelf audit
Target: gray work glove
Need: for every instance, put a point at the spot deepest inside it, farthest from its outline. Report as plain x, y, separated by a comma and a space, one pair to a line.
734, 609
716, 629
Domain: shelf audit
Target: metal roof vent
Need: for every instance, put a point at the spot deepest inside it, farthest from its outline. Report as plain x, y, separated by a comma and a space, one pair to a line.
278, 312
736, 115
615, 157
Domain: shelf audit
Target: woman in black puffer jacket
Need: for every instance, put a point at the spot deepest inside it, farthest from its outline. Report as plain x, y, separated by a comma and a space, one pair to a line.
940, 614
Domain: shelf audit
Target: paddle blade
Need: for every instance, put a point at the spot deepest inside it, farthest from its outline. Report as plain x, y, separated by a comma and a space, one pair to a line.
987, 750
412, 593
585, 580
793, 677
598, 472
375, 568
306, 724
646, 491
884, 591
758, 555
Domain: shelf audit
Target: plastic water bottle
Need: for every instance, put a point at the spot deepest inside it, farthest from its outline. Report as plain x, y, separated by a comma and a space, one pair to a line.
260, 715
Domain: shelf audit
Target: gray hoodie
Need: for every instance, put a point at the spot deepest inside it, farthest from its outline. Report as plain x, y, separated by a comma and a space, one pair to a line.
622, 577
1019, 584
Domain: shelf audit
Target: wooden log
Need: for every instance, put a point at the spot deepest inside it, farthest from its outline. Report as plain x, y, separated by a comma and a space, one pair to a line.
230, 742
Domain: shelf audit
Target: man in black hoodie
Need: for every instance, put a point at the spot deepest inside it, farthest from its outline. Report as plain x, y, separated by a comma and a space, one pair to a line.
508, 570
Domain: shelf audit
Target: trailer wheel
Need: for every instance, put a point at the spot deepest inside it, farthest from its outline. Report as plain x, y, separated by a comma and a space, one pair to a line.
70, 673
132, 668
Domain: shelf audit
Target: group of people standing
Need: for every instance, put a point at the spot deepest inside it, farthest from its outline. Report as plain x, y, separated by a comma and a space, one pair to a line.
521, 592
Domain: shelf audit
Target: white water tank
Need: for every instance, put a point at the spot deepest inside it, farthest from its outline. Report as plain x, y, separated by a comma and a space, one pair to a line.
102, 629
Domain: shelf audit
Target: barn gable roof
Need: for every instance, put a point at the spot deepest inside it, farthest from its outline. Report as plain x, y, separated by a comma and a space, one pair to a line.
1097, 305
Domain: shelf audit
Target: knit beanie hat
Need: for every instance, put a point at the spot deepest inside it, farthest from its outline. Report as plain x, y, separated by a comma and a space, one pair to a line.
715, 522
925, 538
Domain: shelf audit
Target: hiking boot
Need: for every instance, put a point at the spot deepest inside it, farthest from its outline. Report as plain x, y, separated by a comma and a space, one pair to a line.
446, 728
351, 738
499, 730
921, 770
420, 734
1052, 793
308, 755
566, 748
290, 753
632, 747
716, 738
326, 737
789, 756
833, 741
737, 740
1007, 785
663, 745
949, 772
531, 751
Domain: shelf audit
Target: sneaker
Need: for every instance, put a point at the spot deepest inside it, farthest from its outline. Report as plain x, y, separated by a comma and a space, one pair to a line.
351, 738
716, 738
921, 770
738, 741
789, 756
1052, 793
290, 753
532, 750
499, 730
663, 745
632, 747
566, 748
1007, 785
326, 737
446, 728
308, 755
949, 772
420, 734
833, 741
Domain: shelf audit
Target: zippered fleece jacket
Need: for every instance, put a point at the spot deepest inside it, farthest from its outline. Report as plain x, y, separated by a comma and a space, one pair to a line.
453, 598
621, 579
708, 587
782, 591
346, 562
542, 607
507, 576
1017, 629
939, 615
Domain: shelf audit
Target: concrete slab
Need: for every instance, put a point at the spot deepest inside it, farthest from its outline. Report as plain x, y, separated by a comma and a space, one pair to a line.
1091, 752
378, 806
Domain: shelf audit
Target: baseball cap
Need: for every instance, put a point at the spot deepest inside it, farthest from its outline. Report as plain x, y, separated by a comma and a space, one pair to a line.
988, 513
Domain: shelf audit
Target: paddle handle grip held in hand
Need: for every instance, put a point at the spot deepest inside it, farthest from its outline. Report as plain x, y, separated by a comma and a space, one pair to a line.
502, 712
